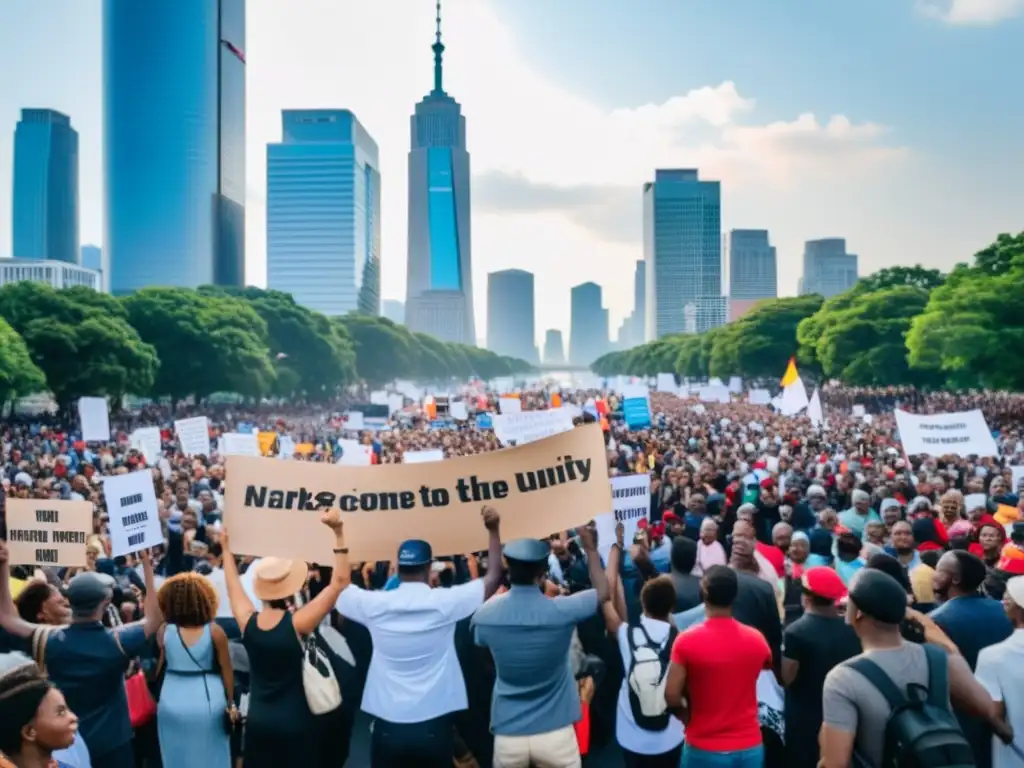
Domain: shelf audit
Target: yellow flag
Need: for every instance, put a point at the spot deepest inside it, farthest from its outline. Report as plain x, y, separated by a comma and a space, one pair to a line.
791, 374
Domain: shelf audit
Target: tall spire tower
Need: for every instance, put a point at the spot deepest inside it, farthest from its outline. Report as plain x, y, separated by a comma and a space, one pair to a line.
439, 285
438, 48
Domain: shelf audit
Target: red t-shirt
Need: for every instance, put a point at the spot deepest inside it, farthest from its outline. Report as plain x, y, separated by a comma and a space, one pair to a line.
723, 659
774, 556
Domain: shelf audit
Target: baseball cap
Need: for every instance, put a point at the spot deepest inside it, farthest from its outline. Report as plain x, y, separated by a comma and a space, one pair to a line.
823, 582
414, 552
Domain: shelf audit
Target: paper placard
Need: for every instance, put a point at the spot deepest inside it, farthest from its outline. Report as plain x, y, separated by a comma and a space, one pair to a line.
237, 444
271, 507
94, 416
759, 397
354, 454
665, 382
354, 421
147, 441
631, 503
529, 426
422, 457
459, 411
48, 532
941, 434
134, 514
193, 435
509, 405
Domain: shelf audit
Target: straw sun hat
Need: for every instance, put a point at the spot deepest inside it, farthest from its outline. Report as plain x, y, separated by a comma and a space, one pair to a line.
279, 579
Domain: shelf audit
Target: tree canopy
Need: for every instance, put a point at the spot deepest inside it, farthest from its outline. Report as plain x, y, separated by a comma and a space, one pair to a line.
900, 325
177, 343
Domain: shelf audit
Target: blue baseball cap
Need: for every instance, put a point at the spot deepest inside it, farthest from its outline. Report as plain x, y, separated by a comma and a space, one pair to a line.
414, 552
527, 550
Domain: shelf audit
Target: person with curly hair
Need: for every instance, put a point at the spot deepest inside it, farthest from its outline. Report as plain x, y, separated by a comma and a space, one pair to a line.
197, 699
35, 720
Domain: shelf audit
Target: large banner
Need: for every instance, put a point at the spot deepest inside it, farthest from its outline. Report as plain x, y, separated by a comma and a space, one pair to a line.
940, 434
270, 507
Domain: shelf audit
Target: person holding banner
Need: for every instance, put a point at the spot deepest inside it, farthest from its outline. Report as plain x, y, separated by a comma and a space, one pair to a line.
279, 728
414, 683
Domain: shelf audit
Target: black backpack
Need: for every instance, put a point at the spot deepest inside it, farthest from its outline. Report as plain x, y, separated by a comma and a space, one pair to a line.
921, 731
646, 677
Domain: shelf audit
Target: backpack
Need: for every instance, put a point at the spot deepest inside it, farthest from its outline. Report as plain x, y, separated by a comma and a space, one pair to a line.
646, 678
921, 731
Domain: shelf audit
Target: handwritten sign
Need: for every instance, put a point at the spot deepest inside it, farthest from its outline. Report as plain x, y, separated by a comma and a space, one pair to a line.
48, 532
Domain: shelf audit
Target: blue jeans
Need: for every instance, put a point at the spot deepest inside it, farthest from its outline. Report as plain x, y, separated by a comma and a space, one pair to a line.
744, 758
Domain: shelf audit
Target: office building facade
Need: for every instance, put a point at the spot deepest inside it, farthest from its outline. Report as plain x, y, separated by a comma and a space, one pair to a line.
632, 331
439, 284
174, 143
828, 269
682, 225
554, 347
91, 257
45, 202
510, 314
588, 324
323, 212
394, 310
56, 274
753, 268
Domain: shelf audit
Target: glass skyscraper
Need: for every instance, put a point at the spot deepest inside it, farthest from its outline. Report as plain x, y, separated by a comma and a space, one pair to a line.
174, 142
828, 269
323, 212
752, 265
45, 204
588, 324
511, 328
439, 292
682, 218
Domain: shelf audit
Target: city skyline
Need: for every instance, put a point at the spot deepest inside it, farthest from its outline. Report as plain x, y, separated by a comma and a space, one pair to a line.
805, 161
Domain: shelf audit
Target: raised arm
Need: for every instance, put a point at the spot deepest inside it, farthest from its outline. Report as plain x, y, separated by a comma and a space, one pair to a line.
598, 580
309, 616
154, 617
241, 606
614, 610
10, 621
495, 571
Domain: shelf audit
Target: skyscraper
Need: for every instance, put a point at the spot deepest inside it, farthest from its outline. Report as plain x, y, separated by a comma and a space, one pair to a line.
45, 209
753, 270
631, 332
439, 299
323, 212
554, 347
682, 218
174, 142
588, 324
394, 310
91, 257
510, 314
828, 269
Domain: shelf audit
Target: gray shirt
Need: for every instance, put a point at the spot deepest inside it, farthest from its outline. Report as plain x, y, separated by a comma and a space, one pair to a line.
529, 635
852, 704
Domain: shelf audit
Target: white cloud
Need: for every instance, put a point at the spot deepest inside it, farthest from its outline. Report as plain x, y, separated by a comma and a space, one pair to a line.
972, 12
377, 62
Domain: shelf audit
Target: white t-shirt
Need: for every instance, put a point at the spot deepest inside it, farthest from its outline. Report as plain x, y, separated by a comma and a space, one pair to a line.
414, 672
1001, 671
628, 734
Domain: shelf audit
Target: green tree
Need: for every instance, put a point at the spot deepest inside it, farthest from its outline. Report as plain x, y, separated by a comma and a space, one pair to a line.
383, 351
894, 277
82, 345
1004, 255
206, 343
760, 342
19, 376
312, 357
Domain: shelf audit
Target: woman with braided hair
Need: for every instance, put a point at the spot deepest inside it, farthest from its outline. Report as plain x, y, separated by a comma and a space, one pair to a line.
35, 721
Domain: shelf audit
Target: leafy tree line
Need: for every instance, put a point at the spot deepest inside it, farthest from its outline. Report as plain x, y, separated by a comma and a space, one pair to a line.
900, 325
177, 343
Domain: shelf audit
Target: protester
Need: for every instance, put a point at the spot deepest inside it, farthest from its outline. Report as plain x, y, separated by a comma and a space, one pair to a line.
1000, 670
35, 720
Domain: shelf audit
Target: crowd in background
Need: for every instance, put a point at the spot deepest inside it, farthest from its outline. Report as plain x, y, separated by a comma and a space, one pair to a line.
774, 553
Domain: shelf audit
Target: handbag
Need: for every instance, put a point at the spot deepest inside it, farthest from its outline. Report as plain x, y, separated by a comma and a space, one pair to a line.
323, 694
141, 704
227, 722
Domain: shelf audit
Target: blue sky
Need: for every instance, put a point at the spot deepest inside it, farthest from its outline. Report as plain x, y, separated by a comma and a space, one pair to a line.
893, 123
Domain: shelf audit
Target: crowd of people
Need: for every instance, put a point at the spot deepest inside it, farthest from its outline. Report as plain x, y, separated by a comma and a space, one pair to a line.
796, 596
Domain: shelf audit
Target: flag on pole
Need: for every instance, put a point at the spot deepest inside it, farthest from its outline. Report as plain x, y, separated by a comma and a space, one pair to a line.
791, 374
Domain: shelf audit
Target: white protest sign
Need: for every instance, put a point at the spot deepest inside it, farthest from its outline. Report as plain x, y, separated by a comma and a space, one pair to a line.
134, 514
736, 385
285, 447
1018, 475
354, 421
422, 457
194, 435
715, 393
941, 434
239, 444
509, 405
94, 417
395, 403
458, 411
759, 397
858, 411
354, 454
666, 382
147, 441
380, 397
528, 426
631, 503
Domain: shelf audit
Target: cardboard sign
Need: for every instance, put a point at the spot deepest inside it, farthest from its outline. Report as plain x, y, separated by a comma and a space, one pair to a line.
134, 514
48, 532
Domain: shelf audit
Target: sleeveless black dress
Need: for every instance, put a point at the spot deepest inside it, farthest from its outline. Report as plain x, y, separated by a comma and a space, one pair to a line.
279, 728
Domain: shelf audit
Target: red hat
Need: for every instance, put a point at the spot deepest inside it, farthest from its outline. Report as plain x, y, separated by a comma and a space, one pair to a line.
760, 464
823, 582
768, 483
658, 530
670, 517
641, 524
